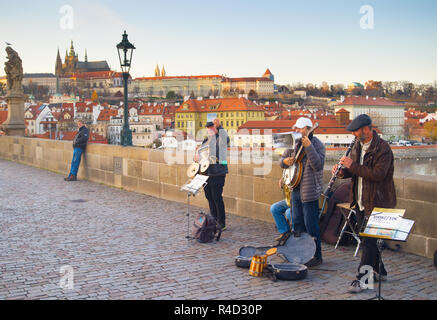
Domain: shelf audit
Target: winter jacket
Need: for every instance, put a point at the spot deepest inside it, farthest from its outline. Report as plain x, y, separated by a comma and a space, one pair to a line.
377, 173
81, 138
313, 162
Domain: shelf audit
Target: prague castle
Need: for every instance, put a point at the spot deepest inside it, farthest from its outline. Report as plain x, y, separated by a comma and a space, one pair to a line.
200, 86
72, 65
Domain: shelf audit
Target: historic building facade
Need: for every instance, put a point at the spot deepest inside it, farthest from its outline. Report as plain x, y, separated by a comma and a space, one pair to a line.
387, 115
260, 85
193, 114
72, 65
159, 86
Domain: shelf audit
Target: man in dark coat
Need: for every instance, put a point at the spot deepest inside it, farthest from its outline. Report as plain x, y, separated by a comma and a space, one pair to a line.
79, 145
370, 166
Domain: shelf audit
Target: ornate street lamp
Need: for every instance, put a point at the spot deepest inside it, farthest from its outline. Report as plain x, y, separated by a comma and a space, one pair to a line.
125, 51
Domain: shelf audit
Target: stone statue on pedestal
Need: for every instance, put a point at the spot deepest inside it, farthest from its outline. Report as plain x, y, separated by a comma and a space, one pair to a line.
14, 71
14, 124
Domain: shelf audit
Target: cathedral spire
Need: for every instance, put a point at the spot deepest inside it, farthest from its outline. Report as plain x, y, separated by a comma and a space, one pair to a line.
86, 56
162, 71
72, 53
157, 72
58, 65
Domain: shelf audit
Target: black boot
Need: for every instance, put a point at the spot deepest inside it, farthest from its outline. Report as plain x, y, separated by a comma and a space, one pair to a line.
71, 178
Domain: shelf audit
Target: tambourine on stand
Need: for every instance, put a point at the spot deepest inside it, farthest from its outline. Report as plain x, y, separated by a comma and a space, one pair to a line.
200, 167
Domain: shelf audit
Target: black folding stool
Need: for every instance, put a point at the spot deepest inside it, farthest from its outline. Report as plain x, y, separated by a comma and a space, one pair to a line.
354, 233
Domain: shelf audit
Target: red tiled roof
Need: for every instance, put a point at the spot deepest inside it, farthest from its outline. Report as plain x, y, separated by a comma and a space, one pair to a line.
64, 119
68, 106
246, 79
106, 114
82, 107
326, 126
267, 72
294, 114
57, 115
151, 110
69, 136
214, 105
413, 122
371, 101
98, 75
170, 110
35, 110
415, 114
180, 77
342, 110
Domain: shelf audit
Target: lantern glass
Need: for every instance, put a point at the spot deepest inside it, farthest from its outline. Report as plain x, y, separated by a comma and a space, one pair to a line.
125, 53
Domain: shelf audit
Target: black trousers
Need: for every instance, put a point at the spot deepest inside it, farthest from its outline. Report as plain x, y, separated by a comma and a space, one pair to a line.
213, 192
370, 254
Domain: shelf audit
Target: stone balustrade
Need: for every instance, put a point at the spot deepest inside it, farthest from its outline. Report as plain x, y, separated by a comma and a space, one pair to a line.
245, 194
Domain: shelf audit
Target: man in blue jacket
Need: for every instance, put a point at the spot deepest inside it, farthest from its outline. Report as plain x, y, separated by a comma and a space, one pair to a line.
79, 145
305, 197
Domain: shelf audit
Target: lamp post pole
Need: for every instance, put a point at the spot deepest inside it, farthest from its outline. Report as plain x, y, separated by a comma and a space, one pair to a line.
126, 132
125, 51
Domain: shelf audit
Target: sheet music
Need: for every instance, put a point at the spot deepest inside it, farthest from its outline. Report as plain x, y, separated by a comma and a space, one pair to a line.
384, 220
388, 224
404, 229
195, 185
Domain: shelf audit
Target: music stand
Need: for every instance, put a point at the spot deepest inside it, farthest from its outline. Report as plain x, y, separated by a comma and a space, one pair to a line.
386, 224
192, 187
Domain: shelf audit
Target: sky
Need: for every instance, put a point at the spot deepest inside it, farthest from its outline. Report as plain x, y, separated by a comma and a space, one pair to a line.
299, 41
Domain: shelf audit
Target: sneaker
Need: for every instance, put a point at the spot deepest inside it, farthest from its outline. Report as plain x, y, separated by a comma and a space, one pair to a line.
224, 228
357, 286
283, 237
313, 262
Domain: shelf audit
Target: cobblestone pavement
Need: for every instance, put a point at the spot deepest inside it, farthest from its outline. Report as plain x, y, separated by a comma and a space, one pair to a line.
125, 245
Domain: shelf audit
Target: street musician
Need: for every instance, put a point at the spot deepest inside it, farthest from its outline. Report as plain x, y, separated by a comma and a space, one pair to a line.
305, 196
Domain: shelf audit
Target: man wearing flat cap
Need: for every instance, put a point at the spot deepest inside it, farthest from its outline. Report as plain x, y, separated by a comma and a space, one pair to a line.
370, 167
218, 141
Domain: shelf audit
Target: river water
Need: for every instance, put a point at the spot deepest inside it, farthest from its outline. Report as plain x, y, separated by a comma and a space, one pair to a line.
426, 167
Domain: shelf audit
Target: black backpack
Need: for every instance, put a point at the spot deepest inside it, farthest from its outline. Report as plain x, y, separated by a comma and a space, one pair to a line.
205, 228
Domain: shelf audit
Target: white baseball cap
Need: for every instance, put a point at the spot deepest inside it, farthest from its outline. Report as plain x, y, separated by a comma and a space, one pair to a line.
303, 122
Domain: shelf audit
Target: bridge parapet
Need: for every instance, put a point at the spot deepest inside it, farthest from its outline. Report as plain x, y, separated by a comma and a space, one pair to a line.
245, 194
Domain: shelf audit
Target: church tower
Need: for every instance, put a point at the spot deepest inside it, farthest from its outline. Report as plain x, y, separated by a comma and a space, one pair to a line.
72, 53
58, 66
71, 61
162, 71
157, 72
268, 74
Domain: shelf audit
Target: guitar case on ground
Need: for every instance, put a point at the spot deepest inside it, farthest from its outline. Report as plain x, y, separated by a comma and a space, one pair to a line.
295, 252
288, 271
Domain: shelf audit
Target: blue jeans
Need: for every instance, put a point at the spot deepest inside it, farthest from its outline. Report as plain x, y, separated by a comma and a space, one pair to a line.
75, 162
278, 209
305, 217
